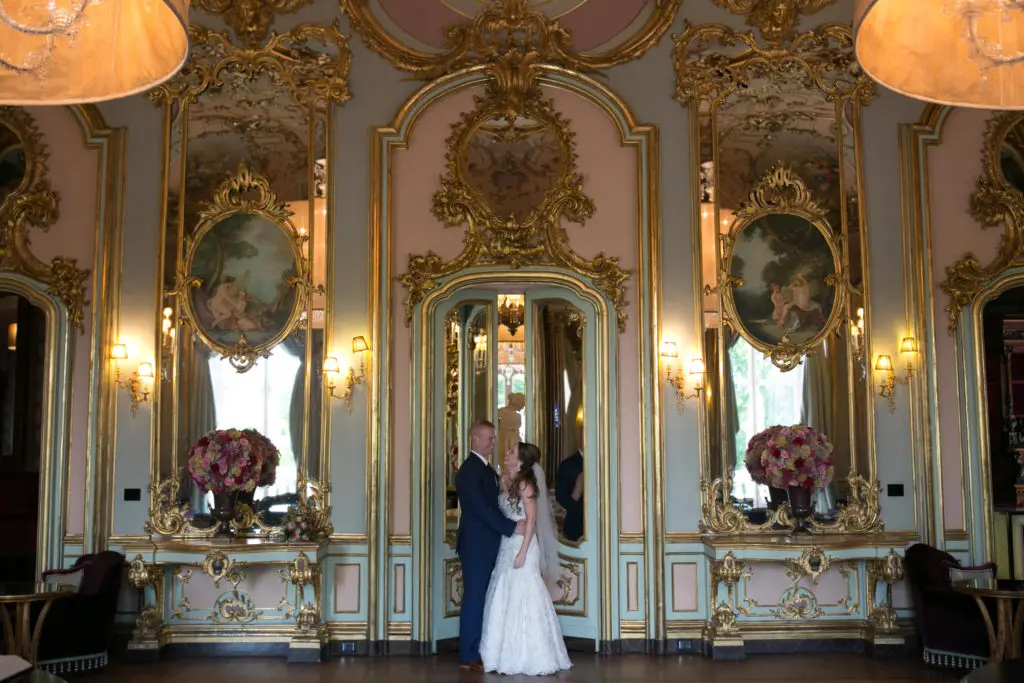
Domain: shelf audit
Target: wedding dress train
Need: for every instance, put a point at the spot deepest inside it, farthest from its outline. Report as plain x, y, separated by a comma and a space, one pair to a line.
521, 634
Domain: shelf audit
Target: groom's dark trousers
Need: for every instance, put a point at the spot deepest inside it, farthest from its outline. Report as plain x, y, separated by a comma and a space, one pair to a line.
481, 526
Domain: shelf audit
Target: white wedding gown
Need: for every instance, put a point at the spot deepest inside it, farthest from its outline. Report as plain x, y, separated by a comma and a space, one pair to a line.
521, 634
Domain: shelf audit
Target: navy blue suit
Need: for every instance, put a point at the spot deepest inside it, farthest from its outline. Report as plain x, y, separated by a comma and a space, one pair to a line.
481, 526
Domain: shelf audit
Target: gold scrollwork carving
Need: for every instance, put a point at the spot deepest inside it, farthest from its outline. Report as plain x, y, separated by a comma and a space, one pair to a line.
453, 583
825, 54
887, 570
32, 203
250, 19
797, 602
812, 563
994, 203
245, 193
219, 567
781, 192
570, 574
728, 571
775, 19
150, 620
235, 607
512, 109
861, 514
171, 517
499, 23
291, 58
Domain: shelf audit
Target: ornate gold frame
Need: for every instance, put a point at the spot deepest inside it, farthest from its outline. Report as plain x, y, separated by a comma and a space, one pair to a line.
244, 193
825, 54
781, 192
994, 203
512, 92
34, 204
471, 44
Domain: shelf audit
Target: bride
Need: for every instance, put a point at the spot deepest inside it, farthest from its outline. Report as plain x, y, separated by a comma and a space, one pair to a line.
520, 632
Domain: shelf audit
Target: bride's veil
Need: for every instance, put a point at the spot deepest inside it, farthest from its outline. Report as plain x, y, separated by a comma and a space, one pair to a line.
547, 536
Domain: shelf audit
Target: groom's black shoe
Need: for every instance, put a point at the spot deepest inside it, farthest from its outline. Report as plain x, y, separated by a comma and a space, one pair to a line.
471, 666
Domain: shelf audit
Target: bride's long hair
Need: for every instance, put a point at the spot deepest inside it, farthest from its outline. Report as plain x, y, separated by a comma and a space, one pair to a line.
529, 455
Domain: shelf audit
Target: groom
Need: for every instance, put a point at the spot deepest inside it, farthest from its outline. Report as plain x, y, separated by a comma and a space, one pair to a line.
481, 527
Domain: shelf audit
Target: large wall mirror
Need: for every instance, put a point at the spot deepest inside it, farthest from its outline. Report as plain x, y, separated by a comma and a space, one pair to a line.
782, 262
245, 270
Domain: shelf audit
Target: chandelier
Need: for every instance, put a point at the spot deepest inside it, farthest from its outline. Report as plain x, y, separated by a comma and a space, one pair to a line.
511, 313
75, 51
965, 53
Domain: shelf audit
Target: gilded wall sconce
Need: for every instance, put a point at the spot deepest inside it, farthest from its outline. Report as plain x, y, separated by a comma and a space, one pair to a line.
887, 373
670, 351
332, 369
139, 383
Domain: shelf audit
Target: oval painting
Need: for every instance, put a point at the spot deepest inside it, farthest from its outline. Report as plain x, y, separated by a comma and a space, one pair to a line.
12, 163
246, 266
514, 166
786, 265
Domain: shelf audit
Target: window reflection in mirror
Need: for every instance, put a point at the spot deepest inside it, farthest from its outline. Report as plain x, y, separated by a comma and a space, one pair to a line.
1003, 331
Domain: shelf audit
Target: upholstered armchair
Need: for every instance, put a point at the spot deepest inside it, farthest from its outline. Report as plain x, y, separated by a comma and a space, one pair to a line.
950, 624
78, 628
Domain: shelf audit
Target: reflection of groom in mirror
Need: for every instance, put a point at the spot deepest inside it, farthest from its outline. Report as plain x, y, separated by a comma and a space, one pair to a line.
481, 526
569, 491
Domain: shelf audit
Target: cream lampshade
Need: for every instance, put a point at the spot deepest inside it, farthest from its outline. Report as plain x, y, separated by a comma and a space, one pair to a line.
964, 53
75, 51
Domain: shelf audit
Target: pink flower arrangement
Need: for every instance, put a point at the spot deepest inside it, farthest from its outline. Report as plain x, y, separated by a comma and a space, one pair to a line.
755, 447
233, 460
794, 456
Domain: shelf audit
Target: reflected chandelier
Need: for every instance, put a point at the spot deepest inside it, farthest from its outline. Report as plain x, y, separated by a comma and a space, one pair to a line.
75, 51
965, 53
511, 314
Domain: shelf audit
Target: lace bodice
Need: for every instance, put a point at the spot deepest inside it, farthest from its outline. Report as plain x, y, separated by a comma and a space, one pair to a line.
514, 511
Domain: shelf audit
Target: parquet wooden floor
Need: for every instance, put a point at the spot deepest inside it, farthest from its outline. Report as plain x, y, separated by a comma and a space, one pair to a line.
625, 669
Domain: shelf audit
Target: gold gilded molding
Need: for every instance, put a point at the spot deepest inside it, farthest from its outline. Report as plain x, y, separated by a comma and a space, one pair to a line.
781, 192
825, 54
995, 203
525, 234
245, 193
775, 19
171, 518
887, 570
250, 19
314, 77
479, 41
32, 203
862, 513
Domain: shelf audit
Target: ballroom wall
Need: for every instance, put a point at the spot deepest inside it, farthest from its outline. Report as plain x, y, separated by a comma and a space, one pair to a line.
110, 215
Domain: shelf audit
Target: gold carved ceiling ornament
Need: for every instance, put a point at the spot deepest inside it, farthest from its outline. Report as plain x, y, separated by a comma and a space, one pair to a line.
479, 42
27, 202
512, 179
295, 59
776, 20
997, 201
250, 19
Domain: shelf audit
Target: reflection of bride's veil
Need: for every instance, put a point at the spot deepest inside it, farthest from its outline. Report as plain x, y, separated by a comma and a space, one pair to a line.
547, 537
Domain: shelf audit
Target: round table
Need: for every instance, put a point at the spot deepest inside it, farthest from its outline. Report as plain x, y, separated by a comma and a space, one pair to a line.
1004, 637
19, 637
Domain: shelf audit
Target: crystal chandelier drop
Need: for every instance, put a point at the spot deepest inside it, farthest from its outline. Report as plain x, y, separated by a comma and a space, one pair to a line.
60, 52
963, 53
44, 22
986, 51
